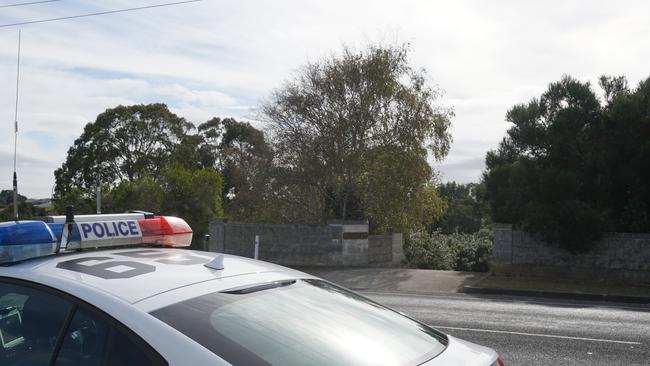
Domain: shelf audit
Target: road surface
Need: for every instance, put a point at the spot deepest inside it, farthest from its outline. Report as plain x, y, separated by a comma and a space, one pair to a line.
527, 331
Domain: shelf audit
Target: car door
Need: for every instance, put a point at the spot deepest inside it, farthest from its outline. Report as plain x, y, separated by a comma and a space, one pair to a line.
42, 326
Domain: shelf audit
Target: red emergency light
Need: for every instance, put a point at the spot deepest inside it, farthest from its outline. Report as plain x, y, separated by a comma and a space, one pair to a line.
167, 231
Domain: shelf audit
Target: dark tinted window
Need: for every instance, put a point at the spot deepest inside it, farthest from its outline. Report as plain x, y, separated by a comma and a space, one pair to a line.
85, 341
94, 339
127, 349
307, 322
31, 324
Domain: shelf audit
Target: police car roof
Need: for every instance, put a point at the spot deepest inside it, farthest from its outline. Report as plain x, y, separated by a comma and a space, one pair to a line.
136, 275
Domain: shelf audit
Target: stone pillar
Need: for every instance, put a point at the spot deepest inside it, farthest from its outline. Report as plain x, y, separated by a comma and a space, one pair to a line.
502, 243
398, 249
354, 241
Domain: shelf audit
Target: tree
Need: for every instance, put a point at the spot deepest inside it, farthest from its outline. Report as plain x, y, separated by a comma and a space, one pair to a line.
146, 158
573, 165
621, 167
535, 178
397, 191
194, 195
465, 210
211, 133
145, 194
83, 201
192, 152
246, 161
124, 143
7, 198
336, 123
26, 210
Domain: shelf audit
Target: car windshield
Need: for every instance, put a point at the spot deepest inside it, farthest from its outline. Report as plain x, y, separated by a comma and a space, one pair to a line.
306, 322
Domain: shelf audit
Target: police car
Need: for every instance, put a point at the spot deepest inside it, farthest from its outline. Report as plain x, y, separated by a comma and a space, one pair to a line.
120, 290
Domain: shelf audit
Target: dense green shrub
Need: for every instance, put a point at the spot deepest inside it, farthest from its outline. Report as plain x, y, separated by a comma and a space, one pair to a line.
429, 251
460, 252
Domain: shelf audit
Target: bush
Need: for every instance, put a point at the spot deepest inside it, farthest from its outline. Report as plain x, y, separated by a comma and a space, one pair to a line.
460, 252
473, 251
573, 225
429, 251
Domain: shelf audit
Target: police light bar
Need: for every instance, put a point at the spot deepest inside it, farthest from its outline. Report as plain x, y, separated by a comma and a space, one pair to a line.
96, 232
20, 240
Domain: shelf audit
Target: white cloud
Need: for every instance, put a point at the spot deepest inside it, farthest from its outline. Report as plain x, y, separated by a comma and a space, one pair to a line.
223, 57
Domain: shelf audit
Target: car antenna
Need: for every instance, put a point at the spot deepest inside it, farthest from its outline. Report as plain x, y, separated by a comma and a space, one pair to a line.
15, 180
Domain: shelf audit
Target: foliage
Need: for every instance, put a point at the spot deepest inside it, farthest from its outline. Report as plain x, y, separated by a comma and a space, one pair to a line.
26, 210
460, 252
473, 251
573, 165
351, 139
397, 191
82, 200
147, 158
194, 195
124, 143
352, 133
245, 160
145, 194
7, 197
292, 201
465, 212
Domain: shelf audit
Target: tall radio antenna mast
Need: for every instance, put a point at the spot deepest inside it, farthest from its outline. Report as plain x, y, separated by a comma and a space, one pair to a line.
16, 133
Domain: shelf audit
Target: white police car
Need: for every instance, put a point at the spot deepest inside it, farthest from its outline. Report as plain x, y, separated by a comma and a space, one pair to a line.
76, 294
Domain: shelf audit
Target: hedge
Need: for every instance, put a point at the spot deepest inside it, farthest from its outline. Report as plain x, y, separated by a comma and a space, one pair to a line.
459, 252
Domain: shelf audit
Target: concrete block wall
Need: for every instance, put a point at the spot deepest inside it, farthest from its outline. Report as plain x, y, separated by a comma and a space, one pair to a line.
380, 249
354, 242
620, 256
336, 244
386, 249
281, 244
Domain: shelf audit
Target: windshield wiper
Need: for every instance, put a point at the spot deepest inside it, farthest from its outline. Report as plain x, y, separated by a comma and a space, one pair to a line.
260, 287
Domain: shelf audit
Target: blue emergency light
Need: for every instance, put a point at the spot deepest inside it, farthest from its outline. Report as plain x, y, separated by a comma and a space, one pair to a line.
21, 240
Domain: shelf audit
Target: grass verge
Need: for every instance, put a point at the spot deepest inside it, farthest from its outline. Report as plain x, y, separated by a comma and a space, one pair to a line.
564, 285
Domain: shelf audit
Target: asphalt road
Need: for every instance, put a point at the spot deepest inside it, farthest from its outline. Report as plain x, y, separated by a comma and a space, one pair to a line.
527, 331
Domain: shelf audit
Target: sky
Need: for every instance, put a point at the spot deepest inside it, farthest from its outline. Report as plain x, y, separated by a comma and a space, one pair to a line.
225, 57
